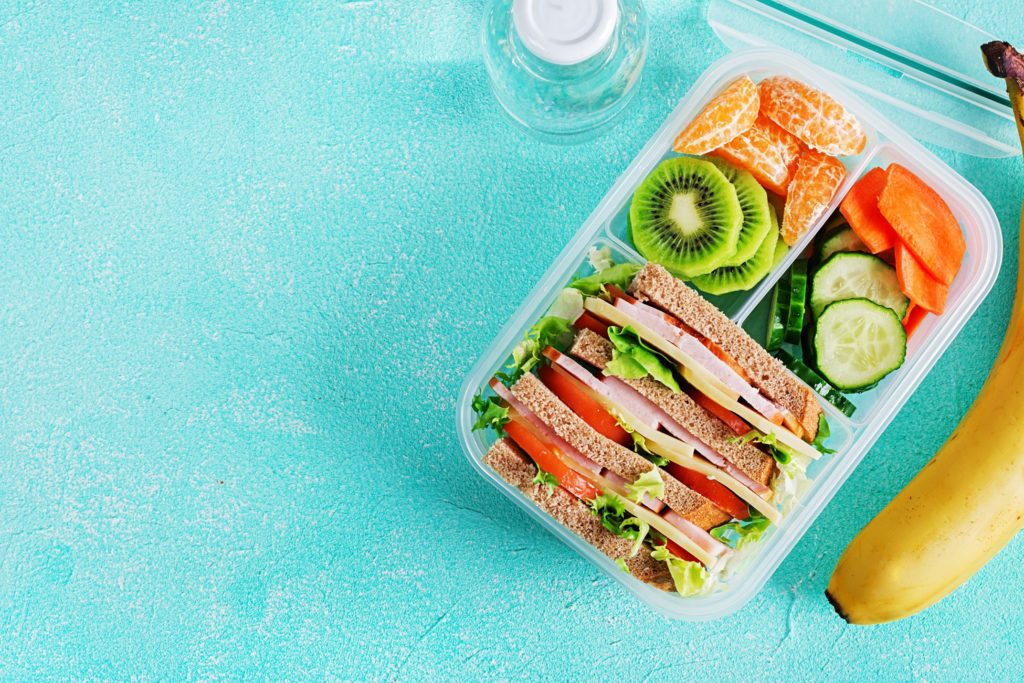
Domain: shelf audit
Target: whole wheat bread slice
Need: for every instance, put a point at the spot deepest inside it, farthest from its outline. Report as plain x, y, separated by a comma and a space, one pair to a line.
656, 285
602, 450
515, 468
594, 349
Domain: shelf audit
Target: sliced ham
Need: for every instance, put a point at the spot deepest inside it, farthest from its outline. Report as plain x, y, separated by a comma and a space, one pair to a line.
654, 504
703, 539
690, 345
620, 393
547, 433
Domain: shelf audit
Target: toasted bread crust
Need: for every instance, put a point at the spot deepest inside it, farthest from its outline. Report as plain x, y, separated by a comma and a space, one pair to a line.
759, 466
517, 469
624, 462
655, 284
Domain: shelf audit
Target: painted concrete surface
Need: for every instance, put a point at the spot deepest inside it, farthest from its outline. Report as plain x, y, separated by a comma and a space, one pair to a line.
249, 252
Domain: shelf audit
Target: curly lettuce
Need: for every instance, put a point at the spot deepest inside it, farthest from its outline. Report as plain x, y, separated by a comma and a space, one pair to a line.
740, 533
596, 285
690, 578
633, 359
490, 413
824, 432
649, 483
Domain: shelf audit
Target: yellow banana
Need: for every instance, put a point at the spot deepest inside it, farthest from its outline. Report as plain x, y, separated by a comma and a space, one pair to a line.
968, 501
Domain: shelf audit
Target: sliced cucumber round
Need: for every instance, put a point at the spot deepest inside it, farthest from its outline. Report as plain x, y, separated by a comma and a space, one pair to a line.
850, 275
816, 382
857, 342
843, 239
797, 301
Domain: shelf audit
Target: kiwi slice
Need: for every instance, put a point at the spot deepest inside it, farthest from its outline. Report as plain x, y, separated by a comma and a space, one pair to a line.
756, 211
686, 216
744, 276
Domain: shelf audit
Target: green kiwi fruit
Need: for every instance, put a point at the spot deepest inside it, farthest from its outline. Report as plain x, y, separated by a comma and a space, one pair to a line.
686, 216
744, 276
756, 211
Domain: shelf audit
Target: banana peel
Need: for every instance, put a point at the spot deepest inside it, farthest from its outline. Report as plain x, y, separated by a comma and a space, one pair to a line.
968, 501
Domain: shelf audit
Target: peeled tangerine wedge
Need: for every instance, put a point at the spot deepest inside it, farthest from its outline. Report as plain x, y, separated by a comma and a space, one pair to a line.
816, 119
731, 112
767, 151
815, 182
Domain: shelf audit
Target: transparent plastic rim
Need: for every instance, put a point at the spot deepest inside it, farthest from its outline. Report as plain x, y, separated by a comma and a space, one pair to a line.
985, 249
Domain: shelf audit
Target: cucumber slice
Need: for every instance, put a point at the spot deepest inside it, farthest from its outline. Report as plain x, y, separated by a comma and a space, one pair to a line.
797, 301
858, 342
843, 239
817, 382
849, 275
777, 311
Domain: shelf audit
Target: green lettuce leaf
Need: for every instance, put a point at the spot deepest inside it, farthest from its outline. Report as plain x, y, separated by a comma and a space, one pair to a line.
781, 453
619, 275
567, 305
650, 483
610, 510
640, 444
690, 578
490, 413
641, 527
621, 562
739, 533
547, 478
633, 359
548, 331
600, 259
824, 431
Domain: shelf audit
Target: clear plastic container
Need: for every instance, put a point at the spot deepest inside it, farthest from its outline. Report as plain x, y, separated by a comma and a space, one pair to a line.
851, 438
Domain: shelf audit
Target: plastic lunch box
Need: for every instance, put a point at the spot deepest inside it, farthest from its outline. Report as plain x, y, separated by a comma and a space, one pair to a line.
606, 226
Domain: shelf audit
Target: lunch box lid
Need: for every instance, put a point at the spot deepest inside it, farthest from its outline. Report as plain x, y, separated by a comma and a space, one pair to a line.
929, 79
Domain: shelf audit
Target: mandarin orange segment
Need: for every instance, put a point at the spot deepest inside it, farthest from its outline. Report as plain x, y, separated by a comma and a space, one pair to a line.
816, 119
767, 151
731, 113
814, 184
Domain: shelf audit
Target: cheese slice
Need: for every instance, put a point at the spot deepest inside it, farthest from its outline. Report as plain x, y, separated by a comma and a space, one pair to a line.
700, 378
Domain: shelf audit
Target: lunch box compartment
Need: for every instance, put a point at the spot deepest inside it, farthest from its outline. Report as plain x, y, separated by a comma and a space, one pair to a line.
851, 437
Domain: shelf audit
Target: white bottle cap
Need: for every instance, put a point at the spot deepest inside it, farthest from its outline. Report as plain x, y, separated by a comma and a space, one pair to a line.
565, 31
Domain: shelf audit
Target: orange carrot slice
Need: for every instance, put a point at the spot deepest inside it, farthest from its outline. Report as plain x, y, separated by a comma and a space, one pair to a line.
860, 208
914, 317
920, 287
729, 114
923, 222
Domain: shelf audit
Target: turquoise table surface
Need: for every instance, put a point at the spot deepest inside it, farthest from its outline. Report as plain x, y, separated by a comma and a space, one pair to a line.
249, 252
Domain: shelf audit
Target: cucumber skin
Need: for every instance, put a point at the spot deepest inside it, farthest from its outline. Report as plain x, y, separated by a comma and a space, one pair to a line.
819, 384
797, 310
778, 311
859, 388
838, 234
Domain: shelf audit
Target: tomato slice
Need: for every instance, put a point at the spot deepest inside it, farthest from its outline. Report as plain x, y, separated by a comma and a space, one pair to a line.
589, 322
545, 459
734, 421
678, 551
617, 293
574, 395
721, 497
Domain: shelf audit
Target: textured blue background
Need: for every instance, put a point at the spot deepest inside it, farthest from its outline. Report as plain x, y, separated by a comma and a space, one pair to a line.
248, 254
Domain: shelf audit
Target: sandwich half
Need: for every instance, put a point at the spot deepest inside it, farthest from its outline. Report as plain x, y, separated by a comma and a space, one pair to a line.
652, 426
